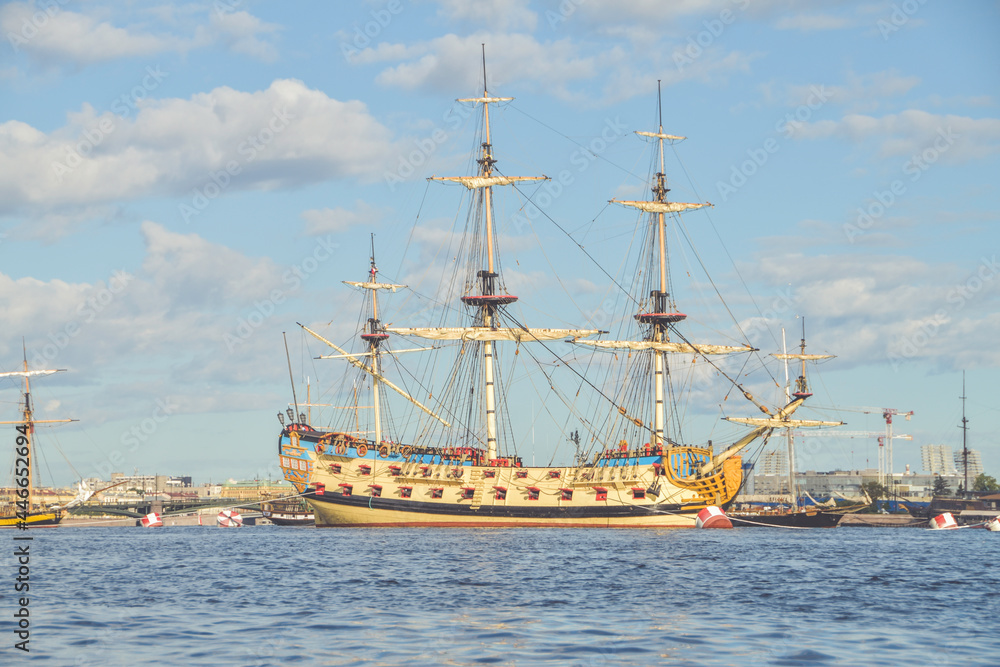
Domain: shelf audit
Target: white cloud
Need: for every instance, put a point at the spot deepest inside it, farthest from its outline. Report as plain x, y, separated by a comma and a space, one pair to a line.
956, 139
339, 219
811, 22
451, 62
285, 135
241, 32
565, 68
51, 35
859, 91
174, 312
195, 273
498, 14
877, 309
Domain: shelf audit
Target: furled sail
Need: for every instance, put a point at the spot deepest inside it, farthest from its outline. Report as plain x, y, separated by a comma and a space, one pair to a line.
660, 135
26, 374
473, 182
659, 206
371, 285
776, 422
808, 357
665, 346
369, 354
484, 100
487, 333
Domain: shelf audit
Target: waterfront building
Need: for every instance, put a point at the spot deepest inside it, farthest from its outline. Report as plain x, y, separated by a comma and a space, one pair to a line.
937, 459
975, 465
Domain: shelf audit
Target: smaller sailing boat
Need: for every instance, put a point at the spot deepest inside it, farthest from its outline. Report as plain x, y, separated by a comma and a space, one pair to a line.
288, 512
793, 515
24, 512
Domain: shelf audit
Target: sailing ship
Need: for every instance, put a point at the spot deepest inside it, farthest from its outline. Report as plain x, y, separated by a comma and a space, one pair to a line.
288, 512
463, 468
793, 515
24, 512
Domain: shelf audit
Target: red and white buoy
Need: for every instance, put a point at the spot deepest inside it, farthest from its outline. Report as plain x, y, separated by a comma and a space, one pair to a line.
152, 520
993, 524
712, 517
230, 519
943, 522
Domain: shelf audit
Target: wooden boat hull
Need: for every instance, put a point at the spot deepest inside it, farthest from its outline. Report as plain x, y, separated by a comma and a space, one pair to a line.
787, 519
34, 520
390, 486
288, 519
335, 510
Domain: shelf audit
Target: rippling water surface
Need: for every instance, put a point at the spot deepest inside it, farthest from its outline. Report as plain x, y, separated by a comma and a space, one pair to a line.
267, 595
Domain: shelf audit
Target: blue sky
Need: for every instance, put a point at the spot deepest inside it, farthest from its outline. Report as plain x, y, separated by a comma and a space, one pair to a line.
183, 182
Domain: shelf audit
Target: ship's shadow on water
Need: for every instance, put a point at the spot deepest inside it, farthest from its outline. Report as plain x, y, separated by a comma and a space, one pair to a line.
269, 596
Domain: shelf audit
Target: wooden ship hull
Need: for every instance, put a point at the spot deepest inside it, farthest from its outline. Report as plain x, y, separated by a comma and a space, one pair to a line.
403, 486
802, 519
287, 514
32, 520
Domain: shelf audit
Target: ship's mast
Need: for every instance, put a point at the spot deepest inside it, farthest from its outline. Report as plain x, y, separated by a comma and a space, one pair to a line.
28, 421
801, 393
660, 328
788, 432
374, 336
663, 312
965, 444
488, 305
488, 299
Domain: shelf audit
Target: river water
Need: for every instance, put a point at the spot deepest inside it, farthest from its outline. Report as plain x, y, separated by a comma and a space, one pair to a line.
266, 595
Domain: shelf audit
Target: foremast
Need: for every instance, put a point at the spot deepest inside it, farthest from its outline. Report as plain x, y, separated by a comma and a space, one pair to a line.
374, 334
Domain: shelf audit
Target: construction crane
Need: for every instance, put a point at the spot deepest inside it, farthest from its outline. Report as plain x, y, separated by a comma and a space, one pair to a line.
861, 434
885, 467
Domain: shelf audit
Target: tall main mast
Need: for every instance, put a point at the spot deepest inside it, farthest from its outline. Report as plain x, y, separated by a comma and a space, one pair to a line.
663, 311
488, 300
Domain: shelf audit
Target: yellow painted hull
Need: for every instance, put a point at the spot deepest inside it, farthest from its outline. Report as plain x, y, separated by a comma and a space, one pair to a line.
33, 520
388, 488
